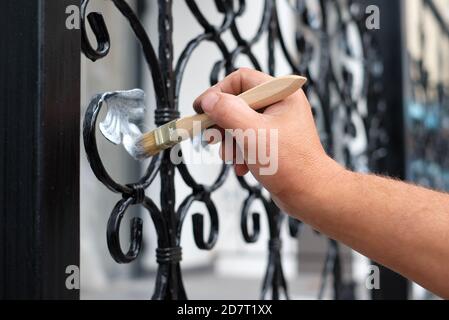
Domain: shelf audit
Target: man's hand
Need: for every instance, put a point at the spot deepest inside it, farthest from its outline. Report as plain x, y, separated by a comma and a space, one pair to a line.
302, 162
401, 226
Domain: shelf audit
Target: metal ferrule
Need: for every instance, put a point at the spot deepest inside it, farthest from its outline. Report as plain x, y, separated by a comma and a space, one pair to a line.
167, 135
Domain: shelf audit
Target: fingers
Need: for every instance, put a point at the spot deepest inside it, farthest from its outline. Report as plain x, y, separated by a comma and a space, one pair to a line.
236, 83
229, 111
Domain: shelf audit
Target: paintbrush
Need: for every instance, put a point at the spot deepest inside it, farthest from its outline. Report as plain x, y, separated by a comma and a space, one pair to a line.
258, 98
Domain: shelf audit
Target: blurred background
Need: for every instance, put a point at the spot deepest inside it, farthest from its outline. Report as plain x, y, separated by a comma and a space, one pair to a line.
400, 128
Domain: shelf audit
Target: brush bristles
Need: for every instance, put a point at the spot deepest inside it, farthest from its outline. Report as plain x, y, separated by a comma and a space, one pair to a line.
146, 147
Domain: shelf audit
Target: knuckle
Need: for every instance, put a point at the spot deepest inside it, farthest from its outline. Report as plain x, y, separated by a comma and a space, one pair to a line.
244, 73
234, 80
245, 70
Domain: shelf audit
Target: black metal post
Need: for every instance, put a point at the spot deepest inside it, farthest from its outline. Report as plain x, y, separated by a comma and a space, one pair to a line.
39, 157
390, 45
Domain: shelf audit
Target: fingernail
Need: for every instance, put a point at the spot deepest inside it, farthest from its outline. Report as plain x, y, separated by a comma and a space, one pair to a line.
209, 101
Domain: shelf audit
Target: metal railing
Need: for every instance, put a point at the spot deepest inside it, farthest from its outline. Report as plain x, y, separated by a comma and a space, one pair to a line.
337, 54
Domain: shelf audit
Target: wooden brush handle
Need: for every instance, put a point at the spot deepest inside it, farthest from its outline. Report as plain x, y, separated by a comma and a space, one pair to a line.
257, 98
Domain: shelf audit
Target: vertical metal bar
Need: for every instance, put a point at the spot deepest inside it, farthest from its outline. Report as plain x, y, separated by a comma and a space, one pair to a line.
141, 9
39, 157
166, 45
164, 114
391, 42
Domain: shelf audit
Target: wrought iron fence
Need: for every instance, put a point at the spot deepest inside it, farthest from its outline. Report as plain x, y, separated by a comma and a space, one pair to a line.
337, 54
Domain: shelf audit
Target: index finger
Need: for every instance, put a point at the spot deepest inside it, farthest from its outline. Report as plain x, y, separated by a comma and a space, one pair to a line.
236, 83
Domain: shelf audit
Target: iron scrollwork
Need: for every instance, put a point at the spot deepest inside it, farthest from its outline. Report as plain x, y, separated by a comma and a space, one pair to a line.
329, 44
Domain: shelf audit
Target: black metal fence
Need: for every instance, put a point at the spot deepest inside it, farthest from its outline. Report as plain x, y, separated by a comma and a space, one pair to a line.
334, 50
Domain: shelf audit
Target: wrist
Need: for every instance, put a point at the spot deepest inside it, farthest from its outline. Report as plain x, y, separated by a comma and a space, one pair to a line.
312, 188
328, 176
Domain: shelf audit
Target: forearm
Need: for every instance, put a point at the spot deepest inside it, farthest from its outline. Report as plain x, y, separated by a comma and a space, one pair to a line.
401, 226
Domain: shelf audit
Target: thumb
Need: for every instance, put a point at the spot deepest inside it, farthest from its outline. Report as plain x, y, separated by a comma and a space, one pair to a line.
229, 111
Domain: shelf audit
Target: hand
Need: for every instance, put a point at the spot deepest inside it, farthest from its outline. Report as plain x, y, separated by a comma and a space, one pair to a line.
303, 166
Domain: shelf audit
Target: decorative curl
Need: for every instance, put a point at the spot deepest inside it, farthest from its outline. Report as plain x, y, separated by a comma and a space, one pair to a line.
198, 227
93, 156
113, 233
100, 31
201, 194
254, 236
